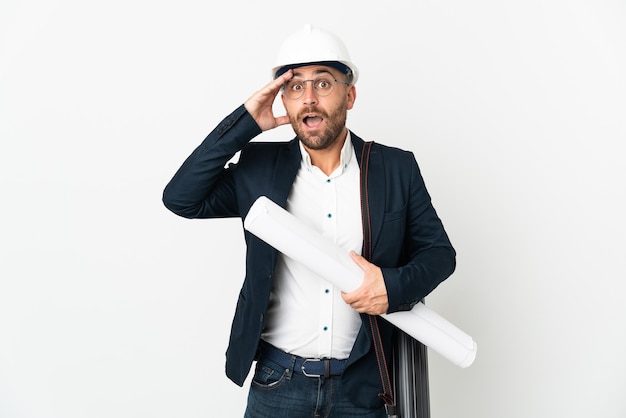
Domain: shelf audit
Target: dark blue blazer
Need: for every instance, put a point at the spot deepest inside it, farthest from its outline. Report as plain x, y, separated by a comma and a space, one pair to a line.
410, 244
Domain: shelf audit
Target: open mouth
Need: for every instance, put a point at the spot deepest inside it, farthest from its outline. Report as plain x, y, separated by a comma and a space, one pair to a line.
312, 121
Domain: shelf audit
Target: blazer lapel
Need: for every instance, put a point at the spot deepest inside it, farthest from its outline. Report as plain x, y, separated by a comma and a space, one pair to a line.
287, 166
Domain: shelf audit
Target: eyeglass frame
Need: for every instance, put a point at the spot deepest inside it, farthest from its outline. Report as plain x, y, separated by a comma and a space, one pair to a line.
303, 82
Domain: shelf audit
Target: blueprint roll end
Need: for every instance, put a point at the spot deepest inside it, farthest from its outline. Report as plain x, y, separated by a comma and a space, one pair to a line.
258, 208
469, 359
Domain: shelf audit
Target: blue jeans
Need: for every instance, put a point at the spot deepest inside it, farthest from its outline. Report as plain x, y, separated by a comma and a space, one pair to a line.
276, 392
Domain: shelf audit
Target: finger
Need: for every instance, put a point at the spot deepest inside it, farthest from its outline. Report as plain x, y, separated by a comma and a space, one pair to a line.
266, 95
285, 77
359, 260
347, 297
354, 297
277, 83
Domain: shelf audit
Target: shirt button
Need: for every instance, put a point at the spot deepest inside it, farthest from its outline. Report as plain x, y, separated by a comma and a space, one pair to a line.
325, 328
330, 215
328, 181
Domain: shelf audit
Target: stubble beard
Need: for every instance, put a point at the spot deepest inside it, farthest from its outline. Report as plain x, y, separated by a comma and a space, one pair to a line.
335, 122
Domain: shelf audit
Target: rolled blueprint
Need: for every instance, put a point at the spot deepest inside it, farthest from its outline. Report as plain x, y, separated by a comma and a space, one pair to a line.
290, 236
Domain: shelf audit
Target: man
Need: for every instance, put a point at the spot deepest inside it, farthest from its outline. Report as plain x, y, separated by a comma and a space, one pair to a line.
313, 343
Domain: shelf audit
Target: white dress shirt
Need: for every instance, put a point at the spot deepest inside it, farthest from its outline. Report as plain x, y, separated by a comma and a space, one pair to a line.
307, 316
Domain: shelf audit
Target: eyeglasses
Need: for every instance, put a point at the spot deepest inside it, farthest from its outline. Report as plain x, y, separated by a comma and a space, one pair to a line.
323, 86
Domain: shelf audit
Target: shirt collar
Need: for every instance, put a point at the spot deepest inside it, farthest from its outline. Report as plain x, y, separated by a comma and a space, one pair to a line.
344, 159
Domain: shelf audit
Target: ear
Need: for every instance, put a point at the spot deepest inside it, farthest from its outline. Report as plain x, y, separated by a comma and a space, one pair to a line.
351, 96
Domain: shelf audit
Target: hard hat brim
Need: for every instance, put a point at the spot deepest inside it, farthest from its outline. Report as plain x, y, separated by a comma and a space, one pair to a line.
340, 66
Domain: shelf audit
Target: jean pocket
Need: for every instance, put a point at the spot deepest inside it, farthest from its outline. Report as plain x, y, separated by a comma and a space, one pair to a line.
268, 375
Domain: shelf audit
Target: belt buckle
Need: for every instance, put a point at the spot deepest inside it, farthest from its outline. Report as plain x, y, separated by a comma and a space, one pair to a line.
326, 367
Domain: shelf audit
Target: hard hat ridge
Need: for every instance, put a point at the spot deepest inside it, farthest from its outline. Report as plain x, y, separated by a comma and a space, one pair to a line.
313, 45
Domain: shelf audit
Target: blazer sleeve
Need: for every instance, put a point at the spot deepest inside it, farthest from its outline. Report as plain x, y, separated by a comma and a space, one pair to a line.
202, 187
427, 256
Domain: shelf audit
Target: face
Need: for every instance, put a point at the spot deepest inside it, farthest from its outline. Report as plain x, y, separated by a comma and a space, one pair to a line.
319, 121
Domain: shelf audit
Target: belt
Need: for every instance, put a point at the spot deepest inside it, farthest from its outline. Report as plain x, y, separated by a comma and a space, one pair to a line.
310, 367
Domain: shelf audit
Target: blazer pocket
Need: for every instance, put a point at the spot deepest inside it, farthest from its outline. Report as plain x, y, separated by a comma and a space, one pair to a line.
395, 215
388, 246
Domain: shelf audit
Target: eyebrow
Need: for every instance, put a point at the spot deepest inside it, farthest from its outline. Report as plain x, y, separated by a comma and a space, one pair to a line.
316, 72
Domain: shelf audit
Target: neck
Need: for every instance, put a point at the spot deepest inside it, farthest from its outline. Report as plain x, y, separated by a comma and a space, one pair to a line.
328, 159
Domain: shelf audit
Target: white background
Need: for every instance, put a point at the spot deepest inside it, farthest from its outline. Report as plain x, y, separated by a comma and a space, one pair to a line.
110, 306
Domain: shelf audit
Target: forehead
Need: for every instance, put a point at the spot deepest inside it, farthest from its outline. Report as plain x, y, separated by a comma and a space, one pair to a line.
314, 71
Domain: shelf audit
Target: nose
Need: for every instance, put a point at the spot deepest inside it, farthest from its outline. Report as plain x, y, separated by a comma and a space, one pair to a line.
309, 96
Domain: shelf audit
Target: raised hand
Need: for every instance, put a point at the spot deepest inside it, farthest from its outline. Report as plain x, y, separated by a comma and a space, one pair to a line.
259, 105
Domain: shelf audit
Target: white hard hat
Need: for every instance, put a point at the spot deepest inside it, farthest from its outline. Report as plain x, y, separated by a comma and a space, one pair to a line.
312, 45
